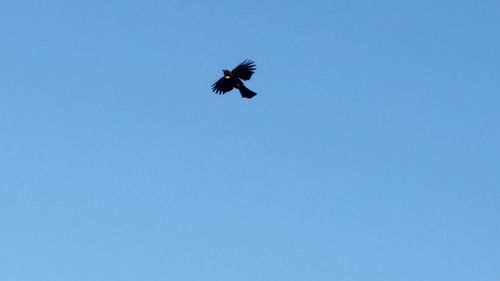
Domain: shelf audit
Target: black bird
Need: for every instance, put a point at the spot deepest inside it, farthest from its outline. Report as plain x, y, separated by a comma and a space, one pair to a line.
232, 79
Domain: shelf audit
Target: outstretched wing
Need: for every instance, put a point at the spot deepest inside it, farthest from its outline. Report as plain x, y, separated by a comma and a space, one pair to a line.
244, 70
222, 86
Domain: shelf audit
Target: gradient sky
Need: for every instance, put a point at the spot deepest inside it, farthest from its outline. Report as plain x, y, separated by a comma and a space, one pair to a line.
371, 152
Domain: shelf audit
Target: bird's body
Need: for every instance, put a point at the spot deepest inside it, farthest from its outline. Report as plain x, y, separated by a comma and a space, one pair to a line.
232, 79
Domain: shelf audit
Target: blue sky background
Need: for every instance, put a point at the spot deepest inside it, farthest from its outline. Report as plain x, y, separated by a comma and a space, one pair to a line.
371, 151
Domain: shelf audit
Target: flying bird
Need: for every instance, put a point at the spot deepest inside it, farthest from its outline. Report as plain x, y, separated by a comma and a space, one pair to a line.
232, 79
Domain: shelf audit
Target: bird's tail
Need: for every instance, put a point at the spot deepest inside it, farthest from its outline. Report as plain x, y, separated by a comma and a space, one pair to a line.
245, 92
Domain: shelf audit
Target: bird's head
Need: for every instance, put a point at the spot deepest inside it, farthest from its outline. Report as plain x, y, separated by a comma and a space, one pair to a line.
227, 73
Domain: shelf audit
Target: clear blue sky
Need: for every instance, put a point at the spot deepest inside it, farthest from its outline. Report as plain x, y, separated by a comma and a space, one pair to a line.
371, 152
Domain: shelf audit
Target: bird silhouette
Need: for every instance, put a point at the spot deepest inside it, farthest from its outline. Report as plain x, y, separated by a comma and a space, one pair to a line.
232, 79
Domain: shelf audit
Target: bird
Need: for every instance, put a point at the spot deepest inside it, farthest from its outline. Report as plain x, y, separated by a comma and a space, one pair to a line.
232, 79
